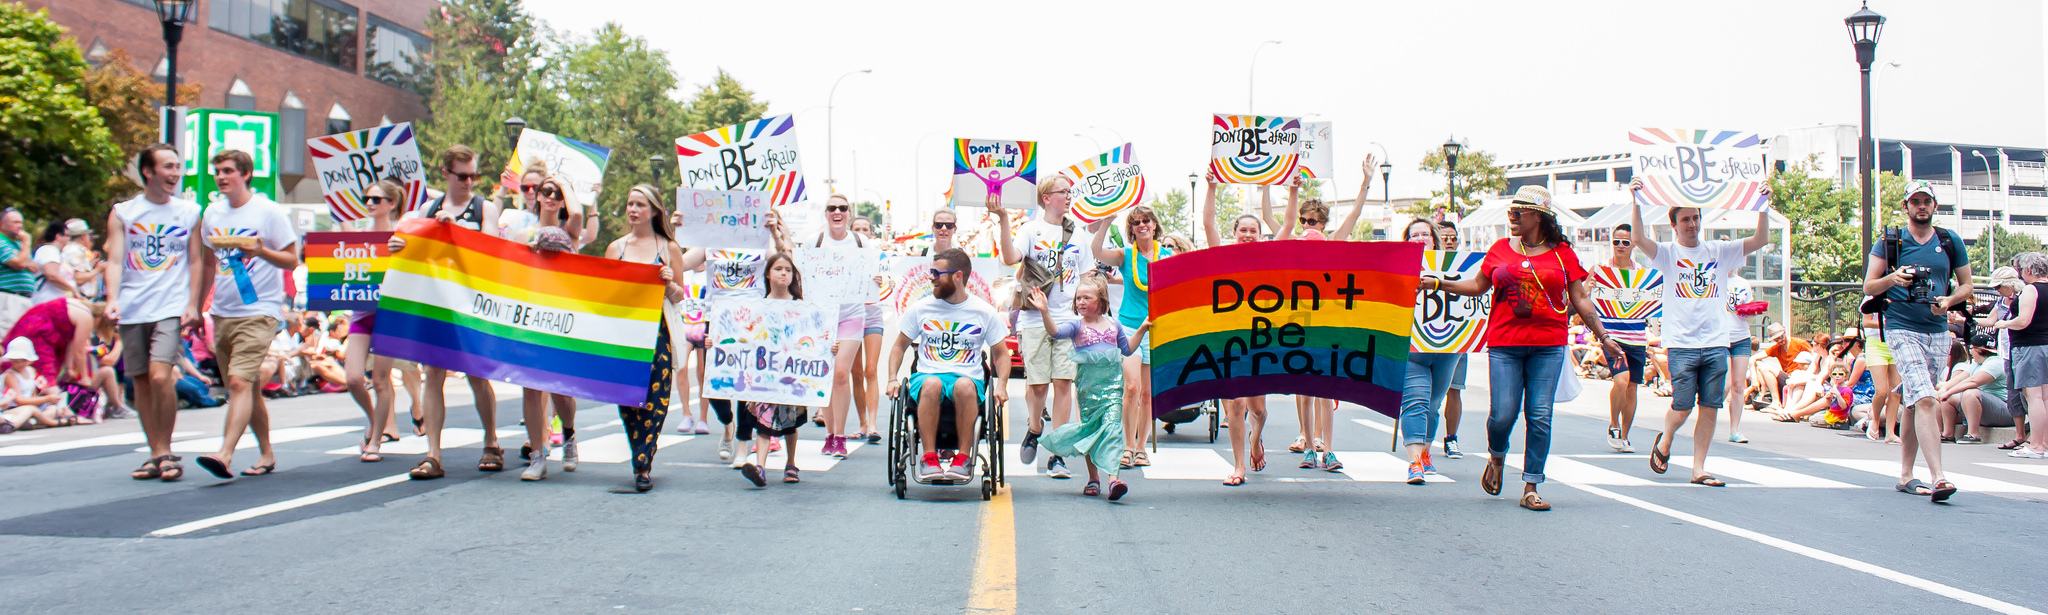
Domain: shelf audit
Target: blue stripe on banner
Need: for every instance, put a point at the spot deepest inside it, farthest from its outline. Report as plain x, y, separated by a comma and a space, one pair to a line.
513, 352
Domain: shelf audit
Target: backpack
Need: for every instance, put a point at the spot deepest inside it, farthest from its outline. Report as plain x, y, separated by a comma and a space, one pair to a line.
1032, 275
1877, 304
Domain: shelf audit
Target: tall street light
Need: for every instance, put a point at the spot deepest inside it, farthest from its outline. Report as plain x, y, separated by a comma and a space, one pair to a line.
513, 126
1451, 150
1120, 140
1864, 28
654, 164
173, 14
1990, 183
1098, 144
1251, 80
830, 179
1189, 207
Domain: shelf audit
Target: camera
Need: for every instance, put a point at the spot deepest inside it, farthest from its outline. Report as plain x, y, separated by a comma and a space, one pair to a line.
1921, 290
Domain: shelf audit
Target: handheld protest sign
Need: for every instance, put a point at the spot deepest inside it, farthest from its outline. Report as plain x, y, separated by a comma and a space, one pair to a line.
1444, 321
771, 351
982, 167
736, 219
582, 163
1317, 158
344, 271
348, 163
759, 156
1105, 184
1254, 149
1712, 169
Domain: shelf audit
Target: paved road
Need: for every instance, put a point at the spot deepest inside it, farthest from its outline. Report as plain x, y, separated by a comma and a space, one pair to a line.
1809, 524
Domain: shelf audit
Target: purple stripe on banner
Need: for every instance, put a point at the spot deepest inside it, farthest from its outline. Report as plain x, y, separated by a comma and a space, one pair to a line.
452, 360
1381, 400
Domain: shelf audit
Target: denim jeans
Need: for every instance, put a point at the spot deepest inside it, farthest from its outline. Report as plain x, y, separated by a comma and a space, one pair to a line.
1429, 375
1524, 381
1698, 376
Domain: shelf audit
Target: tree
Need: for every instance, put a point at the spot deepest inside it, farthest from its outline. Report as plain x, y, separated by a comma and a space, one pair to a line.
128, 103
52, 140
1827, 235
1173, 213
1476, 174
723, 102
871, 211
2009, 244
481, 70
619, 92
1229, 205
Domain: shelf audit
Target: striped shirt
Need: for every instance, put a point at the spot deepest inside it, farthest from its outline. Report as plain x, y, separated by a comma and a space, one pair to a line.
1626, 299
13, 280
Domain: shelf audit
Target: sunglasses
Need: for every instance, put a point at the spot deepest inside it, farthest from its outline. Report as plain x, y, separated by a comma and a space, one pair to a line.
468, 177
1621, 243
1308, 220
551, 192
1841, 373
375, 200
831, 208
944, 226
529, 187
940, 272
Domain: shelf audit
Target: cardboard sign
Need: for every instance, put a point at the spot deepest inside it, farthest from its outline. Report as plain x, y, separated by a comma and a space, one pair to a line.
582, 163
1447, 322
1254, 149
759, 155
345, 271
1712, 169
1317, 157
982, 167
1105, 184
770, 350
838, 275
348, 163
735, 219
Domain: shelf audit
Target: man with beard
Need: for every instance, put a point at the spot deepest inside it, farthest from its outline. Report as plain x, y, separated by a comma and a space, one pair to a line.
1916, 325
952, 330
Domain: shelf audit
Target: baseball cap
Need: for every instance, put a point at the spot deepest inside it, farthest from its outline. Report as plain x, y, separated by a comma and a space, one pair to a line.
76, 228
1919, 186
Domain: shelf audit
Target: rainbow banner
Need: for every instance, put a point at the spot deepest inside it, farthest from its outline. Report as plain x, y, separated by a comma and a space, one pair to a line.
759, 155
1626, 293
1105, 184
1254, 149
982, 167
344, 271
1712, 169
1445, 321
348, 163
1251, 319
464, 301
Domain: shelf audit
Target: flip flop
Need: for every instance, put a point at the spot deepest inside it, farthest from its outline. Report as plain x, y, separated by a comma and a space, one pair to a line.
1912, 487
419, 426
259, 470
150, 470
1708, 480
1942, 490
1490, 480
388, 438
172, 470
1233, 481
428, 469
1659, 460
216, 467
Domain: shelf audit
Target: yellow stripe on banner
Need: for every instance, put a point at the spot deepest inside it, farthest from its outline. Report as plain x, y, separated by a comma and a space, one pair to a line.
319, 264
515, 293
1194, 321
994, 588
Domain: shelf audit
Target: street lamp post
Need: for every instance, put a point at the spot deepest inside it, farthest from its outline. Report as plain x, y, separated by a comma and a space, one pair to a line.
830, 179
1189, 207
1251, 79
1120, 140
173, 14
1991, 254
1098, 144
654, 164
513, 126
1451, 150
1864, 28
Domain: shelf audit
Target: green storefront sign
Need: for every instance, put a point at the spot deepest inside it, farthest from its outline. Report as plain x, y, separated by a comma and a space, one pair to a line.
208, 131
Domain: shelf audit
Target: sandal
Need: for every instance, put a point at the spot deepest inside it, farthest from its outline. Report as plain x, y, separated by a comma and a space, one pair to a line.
1534, 502
492, 461
363, 453
1659, 459
789, 476
1124, 462
172, 471
2016, 443
1093, 489
419, 426
1942, 490
1234, 480
1140, 460
1258, 459
213, 465
388, 438
259, 470
1299, 444
428, 469
150, 470
1708, 480
1490, 480
1912, 487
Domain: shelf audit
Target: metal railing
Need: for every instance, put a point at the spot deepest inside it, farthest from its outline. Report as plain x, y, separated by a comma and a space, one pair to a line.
2027, 164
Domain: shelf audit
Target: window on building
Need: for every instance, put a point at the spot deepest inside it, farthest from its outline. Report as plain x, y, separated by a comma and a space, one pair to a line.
391, 54
240, 97
338, 120
1848, 171
322, 30
291, 128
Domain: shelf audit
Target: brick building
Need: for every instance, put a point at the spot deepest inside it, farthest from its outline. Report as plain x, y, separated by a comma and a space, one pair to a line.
325, 66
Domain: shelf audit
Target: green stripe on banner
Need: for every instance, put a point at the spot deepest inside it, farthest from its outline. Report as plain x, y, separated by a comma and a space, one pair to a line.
335, 279
493, 329
1389, 345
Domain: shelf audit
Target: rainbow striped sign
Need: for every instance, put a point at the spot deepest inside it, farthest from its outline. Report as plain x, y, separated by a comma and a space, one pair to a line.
1712, 169
349, 162
345, 270
1626, 293
1255, 149
582, 163
1106, 184
1251, 319
464, 301
759, 155
1447, 322
982, 167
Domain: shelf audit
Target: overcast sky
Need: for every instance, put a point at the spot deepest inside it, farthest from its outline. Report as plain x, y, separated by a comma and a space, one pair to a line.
1523, 80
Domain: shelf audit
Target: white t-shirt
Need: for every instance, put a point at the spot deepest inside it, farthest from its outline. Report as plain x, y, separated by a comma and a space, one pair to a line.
79, 257
260, 218
1040, 241
951, 338
45, 290
155, 282
1696, 291
518, 225
846, 310
1739, 292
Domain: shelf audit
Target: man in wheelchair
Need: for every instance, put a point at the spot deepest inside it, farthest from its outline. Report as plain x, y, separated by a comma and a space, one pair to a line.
954, 331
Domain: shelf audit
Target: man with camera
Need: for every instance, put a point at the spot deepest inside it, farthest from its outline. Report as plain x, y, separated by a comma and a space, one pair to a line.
1909, 279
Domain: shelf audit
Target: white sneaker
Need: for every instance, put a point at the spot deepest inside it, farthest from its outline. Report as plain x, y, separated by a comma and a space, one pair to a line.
2027, 452
688, 425
1627, 448
1057, 468
725, 447
569, 457
1614, 440
536, 468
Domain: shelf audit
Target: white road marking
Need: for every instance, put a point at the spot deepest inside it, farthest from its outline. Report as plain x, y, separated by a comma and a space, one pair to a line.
277, 436
809, 454
251, 513
1964, 482
1379, 467
613, 448
1764, 476
2016, 467
1186, 464
1573, 471
119, 439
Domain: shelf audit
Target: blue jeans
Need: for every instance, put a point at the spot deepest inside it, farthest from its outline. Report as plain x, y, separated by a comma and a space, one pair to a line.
1524, 381
1698, 375
1429, 375
195, 392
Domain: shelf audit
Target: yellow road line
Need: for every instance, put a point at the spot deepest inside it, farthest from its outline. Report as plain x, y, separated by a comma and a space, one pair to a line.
995, 560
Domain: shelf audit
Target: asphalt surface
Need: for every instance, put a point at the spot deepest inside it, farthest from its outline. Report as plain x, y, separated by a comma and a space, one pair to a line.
328, 533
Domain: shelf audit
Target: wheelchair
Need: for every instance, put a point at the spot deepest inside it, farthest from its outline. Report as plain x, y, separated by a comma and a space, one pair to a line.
904, 449
1211, 409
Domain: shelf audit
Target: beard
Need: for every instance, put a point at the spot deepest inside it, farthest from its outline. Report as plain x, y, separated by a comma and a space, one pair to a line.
1919, 219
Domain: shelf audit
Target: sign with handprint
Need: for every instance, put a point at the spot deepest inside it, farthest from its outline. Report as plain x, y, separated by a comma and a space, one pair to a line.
982, 167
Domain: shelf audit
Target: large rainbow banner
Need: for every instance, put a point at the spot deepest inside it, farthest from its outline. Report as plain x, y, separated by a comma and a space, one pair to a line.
1712, 169
1106, 184
1324, 319
464, 301
1446, 321
1254, 149
344, 270
759, 155
982, 167
349, 162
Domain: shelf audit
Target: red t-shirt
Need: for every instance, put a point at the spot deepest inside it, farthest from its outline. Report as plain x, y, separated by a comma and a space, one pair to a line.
1531, 299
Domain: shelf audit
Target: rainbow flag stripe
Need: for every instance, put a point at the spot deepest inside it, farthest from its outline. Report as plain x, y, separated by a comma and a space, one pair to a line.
1243, 320
563, 323
345, 270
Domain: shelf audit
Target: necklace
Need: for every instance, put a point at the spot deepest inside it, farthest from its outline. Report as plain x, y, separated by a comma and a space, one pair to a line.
1534, 275
1137, 279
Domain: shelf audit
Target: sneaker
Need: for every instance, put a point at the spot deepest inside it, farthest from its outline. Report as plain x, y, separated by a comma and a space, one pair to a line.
1117, 489
703, 428
1028, 451
687, 426
1738, 438
1415, 473
1428, 465
1057, 468
1451, 449
537, 468
725, 448
569, 457
1614, 440
1969, 439
1626, 447
929, 469
1330, 462
958, 470
774, 445
839, 447
1308, 460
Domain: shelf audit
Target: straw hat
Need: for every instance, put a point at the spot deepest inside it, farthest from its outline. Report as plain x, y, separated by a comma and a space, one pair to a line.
1533, 198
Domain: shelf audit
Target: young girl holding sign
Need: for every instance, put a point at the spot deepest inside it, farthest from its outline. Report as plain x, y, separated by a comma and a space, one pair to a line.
769, 421
1245, 229
384, 199
1100, 346
651, 241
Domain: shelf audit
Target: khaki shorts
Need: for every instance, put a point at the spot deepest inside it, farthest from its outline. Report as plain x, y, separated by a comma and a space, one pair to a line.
1046, 358
241, 344
149, 342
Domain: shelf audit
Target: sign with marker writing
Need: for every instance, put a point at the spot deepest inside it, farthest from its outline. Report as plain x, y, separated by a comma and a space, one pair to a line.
982, 167
759, 155
348, 163
736, 219
1713, 169
1254, 149
344, 271
770, 350
1445, 321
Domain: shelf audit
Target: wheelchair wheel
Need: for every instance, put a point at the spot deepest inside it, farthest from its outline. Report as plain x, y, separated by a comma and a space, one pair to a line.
1215, 418
895, 464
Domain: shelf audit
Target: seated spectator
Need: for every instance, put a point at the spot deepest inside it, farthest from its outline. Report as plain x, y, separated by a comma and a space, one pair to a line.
323, 364
195, 388
283, 372
1828, 404
1975, 394
30, 397
1785, 350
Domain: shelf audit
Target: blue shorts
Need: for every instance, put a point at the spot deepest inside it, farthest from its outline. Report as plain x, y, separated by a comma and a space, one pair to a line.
946, 381
1637, 357
1698, 375
1144, 346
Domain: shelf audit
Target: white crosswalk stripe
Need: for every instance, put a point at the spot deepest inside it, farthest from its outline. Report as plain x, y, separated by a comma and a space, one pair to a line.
1963, 481
119, 439
1761, 475
1574, 471
277, 436
2018, 467
613, 448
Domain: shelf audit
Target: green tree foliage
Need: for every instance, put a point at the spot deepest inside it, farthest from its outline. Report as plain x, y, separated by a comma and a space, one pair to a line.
1477, 176
52, 140
483, 69
127, 101
1827, 237
1173, 213
618, 92
1230, 205
723, 102
871, 211
2008, 244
